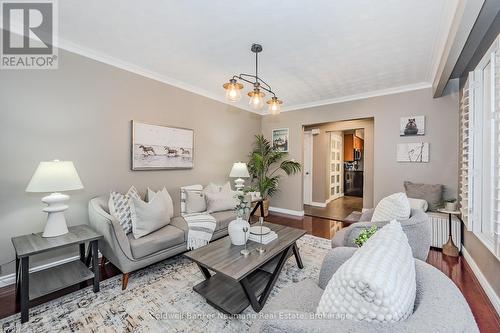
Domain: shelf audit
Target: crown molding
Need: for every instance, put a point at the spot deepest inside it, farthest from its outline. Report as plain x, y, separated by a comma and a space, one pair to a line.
369, 94
127, 66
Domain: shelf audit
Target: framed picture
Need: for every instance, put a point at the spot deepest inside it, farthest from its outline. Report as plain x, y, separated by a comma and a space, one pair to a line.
281, 139
412, 125
156, 147
413, 152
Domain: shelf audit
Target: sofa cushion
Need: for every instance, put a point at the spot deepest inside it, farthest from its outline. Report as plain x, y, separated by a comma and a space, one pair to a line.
223, 218
161, 239
195, 202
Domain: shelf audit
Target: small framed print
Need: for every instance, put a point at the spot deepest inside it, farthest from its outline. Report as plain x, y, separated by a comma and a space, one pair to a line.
281, 139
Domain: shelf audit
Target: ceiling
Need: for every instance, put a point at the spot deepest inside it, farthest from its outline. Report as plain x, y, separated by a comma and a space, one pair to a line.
315, 52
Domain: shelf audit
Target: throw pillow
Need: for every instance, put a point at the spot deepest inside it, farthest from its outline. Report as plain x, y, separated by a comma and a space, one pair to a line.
119, 207
184, 190
218, 202
166, 196
213, 188
149, 216
195, 202
378, 283
418, 204
432, 193
394, 207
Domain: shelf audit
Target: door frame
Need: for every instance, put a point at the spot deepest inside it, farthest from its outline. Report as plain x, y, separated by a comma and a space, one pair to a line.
307, 157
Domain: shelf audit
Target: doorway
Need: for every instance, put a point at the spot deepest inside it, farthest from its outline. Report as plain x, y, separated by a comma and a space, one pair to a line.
334, 185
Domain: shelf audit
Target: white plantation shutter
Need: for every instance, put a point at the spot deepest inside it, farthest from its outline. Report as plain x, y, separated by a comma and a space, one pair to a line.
466, 149
495, 134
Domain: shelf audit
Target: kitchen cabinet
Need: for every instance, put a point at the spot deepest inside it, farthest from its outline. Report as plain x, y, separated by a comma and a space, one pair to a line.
351, 143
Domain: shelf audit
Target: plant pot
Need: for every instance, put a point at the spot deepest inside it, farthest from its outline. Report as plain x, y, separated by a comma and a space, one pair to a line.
450, 206
235, 230
266, 208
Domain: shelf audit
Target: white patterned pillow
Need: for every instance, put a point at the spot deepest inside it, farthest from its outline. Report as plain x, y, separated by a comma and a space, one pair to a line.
378, 283
394, 207
184, 197
119, 207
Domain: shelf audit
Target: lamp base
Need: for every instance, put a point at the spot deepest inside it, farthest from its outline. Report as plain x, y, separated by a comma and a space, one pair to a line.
56, 222
239, 184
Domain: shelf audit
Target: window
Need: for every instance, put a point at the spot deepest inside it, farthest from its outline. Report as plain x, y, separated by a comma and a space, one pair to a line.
480, 147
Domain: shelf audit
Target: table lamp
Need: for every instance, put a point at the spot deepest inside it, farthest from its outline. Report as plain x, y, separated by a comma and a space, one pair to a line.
239, 171
55, 176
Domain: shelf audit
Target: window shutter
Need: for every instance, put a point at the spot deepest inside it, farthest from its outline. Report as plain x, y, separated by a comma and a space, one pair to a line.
466, 149
495, 107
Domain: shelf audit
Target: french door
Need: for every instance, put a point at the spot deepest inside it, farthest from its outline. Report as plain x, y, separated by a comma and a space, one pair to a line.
336, 165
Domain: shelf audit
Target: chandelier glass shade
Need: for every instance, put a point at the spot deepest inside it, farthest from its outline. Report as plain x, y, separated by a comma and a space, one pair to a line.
233, 88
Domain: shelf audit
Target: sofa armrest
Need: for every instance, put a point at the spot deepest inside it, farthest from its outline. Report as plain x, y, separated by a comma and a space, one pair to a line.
366, 215
333, 260
104, 223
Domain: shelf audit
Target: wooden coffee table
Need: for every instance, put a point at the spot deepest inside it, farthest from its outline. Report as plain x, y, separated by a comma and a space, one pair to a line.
242, 281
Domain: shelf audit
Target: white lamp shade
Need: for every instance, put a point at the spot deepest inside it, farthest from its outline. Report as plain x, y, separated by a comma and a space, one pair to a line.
55, 176
239, 170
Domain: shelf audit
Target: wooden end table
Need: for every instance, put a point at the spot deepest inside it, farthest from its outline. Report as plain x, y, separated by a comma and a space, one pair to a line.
241, 281
36, 284
450, 249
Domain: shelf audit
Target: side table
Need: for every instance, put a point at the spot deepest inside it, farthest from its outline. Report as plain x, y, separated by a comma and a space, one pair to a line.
33, 285
450, 249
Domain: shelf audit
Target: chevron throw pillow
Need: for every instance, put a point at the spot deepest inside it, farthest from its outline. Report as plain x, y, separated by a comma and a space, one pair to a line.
119, 207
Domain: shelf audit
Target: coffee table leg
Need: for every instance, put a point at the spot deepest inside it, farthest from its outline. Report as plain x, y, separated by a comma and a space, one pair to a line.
206, 272
257, 305
297, 256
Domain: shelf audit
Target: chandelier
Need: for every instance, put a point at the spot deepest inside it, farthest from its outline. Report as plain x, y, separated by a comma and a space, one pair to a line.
233, 87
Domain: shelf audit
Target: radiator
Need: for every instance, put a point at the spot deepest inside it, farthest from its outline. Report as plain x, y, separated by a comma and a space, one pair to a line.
439, 226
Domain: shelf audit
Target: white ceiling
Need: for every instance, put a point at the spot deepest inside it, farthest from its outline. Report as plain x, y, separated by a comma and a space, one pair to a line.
315, 52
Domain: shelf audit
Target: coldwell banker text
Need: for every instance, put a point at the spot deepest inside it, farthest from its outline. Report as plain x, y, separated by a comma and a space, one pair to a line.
28, 35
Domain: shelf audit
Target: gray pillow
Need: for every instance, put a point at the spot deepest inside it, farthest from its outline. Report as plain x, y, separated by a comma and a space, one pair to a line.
195, 202
432, 193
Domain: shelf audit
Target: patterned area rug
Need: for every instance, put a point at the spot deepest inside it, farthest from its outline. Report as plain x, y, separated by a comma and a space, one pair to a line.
159, 298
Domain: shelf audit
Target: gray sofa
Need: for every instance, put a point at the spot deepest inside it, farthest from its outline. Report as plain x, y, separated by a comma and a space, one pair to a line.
130, 254
417, 228
439, 305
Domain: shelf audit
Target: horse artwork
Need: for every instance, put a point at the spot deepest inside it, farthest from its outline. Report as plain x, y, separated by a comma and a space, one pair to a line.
156, 147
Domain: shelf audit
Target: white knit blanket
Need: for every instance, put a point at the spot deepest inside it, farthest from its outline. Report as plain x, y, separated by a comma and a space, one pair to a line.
377, 283
201, 228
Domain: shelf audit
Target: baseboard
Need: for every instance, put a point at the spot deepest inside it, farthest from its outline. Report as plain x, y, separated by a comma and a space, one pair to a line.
287, 211
11, 278
318, 204
493, 297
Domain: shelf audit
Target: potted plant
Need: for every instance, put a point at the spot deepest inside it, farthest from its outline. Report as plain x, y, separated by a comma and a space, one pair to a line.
450, 204
266, 166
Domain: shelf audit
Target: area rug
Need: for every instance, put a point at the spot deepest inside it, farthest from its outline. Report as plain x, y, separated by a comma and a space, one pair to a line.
159, 298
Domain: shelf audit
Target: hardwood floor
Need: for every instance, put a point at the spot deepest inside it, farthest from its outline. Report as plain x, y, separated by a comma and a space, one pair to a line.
456, 269
336, 209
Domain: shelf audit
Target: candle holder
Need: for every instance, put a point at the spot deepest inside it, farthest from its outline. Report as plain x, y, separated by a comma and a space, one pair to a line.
261, 249
245, 252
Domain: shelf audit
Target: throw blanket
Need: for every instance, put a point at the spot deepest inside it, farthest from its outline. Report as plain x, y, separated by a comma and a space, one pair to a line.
201, 228
377, 283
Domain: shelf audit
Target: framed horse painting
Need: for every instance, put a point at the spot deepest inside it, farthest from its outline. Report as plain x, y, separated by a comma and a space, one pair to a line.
156, 147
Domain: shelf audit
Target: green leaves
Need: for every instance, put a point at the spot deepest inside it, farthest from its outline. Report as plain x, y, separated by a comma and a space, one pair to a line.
265, 157
364, 235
